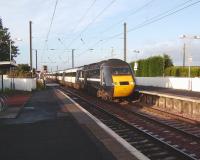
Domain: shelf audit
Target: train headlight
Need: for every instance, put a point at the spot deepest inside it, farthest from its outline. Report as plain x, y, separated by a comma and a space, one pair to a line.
114, 84
131, 83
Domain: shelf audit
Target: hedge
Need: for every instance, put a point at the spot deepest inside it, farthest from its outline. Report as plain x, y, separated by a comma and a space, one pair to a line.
182, 71
152, 66
19, 74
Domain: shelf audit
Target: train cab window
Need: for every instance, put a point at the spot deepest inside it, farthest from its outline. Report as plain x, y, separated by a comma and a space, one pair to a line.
121, 71
94, 73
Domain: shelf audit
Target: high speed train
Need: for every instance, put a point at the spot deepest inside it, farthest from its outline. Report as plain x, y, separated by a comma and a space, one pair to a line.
109, 79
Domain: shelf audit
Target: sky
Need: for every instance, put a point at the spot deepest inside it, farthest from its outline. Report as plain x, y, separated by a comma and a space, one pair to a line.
94, 29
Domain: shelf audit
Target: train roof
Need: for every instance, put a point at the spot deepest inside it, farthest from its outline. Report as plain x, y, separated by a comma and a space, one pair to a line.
109, 62
115, 62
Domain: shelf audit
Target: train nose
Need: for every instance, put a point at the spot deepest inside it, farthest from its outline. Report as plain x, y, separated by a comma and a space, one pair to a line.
123, 86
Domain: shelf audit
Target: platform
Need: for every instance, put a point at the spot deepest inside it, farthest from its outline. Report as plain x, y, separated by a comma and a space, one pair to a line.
180, 102
97, 130
13, 103
50, 126
171, 92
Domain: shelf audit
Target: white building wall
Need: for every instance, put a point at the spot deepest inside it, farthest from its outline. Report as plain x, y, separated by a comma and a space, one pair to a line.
192, 84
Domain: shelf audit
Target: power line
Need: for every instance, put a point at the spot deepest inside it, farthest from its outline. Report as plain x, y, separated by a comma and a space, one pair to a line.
133, 12
164, 16
154, 19
157, 17
52, 20
84, 15
50, 26
96, 17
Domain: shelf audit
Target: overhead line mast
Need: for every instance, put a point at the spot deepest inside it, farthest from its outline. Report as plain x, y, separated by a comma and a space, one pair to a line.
125, 42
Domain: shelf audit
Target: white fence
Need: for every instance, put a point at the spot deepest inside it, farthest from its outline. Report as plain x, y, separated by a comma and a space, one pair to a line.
23, 84
192, 84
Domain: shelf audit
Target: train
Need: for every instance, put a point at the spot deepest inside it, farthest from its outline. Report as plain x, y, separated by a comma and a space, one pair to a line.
108, 79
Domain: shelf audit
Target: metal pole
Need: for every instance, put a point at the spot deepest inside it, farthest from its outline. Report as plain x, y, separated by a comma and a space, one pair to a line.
125, 42
10, 51
73, 58
2, 82
36, 59
30, 32
184, 47
10, 64
163, 65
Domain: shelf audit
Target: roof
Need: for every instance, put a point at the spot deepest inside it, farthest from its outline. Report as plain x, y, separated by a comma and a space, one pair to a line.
7, 64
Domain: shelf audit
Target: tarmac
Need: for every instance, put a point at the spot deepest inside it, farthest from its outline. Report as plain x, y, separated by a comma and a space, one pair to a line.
43, 130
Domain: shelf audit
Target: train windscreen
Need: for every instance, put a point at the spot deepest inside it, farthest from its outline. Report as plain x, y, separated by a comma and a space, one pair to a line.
121, 71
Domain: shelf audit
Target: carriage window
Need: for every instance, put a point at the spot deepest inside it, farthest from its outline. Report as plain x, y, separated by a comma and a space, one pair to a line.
120, 71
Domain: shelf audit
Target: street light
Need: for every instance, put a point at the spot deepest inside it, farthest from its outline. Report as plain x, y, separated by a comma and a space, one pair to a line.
136, 51
189, 57
184, 49
136, 64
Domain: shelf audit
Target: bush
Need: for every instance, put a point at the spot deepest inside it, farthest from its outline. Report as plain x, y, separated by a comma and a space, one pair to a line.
182, 71
152, 66
19, 74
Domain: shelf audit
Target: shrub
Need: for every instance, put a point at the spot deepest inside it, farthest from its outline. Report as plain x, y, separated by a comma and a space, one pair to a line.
152, 66
182, 71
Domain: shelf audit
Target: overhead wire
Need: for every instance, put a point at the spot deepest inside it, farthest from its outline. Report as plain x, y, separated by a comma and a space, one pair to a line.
49, 30
88, 25
51, 22
133, 12
84, 15
156, 18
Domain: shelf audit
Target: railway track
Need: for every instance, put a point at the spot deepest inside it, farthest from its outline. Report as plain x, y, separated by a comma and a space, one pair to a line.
143, 139
187, 127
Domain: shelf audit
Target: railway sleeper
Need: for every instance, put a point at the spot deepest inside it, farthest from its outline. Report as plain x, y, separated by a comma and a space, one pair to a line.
159, 155
150, 150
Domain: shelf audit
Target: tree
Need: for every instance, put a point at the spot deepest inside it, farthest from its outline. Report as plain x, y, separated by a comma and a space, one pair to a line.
23, 67
168, 61
5, 40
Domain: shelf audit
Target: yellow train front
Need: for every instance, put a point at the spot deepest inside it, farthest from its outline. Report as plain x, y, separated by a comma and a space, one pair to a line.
116, 79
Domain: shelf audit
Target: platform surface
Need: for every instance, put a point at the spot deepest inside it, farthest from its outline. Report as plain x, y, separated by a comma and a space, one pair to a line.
171, 92
43, 131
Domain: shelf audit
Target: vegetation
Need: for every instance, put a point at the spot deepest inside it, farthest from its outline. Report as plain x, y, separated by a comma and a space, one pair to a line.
40, 85
22, 71
152, 66
5, 40
182, 71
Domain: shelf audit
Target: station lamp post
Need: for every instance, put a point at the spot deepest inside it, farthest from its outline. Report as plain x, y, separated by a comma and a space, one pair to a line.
136, 64
189, 57
184, 51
